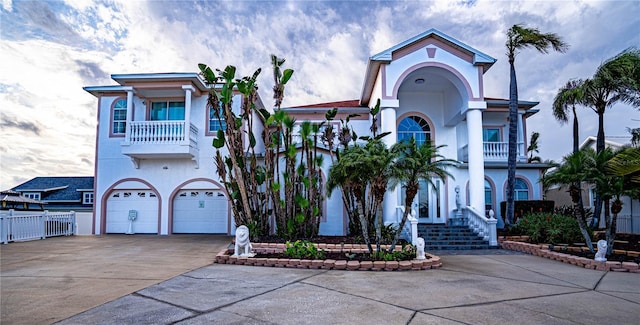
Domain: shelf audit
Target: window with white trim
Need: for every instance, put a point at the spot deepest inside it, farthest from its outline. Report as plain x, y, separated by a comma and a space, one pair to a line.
414, 127
167, 110
521, 190
488, 196
491, 135
216, 123
119, 117
32, 195
87, 198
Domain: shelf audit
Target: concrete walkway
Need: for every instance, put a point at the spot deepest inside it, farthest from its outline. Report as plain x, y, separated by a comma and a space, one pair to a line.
469, 289
45, 281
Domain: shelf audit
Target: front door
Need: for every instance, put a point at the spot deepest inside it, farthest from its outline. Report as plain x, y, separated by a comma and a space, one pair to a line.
428, 202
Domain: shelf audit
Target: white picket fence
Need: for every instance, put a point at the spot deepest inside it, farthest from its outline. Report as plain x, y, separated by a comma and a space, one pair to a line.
35, 225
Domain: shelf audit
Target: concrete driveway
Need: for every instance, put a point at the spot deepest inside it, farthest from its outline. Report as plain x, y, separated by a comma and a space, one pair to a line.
142, 280
45, 281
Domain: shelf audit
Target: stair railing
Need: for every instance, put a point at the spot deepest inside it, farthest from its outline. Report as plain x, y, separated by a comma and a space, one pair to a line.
483, 226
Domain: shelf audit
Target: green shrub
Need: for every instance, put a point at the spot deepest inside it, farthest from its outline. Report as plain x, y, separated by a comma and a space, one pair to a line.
408, 252
549, 228
303, 249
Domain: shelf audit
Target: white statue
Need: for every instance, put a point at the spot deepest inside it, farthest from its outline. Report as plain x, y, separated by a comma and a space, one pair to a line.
602, 251
458, 204
420, 249
242, 242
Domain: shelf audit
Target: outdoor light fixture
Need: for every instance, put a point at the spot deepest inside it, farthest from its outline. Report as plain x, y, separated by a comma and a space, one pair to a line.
419, 81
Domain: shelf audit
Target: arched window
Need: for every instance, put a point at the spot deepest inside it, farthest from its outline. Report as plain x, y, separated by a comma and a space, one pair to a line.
414, 127
119, 117
521, 190
488, 196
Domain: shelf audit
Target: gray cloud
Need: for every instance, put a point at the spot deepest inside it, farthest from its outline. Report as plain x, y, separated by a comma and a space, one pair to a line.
10, 122
36, 19
91, 73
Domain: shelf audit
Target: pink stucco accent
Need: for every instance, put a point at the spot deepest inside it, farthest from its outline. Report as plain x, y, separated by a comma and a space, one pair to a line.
105, 197
431, 52
179, 187
449, 68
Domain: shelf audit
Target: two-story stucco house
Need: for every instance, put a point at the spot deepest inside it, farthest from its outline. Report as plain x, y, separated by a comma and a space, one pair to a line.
153, 150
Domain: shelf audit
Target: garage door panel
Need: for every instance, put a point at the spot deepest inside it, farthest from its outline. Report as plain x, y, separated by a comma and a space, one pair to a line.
200, 211
144, 202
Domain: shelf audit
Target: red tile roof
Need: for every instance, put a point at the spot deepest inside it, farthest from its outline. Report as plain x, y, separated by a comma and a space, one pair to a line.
343, 103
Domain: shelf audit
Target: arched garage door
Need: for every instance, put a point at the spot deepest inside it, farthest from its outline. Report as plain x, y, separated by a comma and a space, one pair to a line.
144, 202
200, 212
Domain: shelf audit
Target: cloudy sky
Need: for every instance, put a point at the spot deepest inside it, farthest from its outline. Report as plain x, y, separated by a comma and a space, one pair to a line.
49, 50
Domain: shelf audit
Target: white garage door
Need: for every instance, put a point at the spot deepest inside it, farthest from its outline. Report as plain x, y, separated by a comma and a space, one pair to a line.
200, 212
144, 202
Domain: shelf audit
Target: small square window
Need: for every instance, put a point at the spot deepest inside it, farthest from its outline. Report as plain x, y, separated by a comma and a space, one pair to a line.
491, 135
87, 198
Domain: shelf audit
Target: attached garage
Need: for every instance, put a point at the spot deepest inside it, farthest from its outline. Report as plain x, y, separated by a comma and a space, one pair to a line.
144, 202
200, 212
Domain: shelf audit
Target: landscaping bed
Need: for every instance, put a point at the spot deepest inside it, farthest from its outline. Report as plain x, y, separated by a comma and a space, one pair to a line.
619, 261
341, 256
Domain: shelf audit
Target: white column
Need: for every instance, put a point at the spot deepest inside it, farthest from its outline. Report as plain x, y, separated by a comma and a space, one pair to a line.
391, 197
188, 89
521, 136
129, 114
476, 159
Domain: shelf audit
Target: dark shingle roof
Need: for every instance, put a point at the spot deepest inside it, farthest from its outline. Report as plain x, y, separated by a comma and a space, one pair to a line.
61, 188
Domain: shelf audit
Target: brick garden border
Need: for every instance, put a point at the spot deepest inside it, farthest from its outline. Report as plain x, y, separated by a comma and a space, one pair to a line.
542, 250
224, 257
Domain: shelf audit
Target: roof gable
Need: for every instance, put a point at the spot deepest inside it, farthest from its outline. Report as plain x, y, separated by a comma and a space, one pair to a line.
58, 188
478, 58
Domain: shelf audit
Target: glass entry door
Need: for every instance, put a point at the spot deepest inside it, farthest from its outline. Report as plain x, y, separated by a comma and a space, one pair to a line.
428, 202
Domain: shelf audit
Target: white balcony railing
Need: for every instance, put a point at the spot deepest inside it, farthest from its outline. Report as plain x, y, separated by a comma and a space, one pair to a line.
161, 132
493, 151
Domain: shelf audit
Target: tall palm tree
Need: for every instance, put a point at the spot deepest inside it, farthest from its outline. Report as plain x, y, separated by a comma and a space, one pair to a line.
414, 163
616, 80
568, 96
518, 38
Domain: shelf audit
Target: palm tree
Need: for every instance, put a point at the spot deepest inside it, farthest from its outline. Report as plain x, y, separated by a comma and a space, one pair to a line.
362, 172
534, 147
520, 37
414, 163
635, 136
616, 80
626, 163
569, 96
572, 172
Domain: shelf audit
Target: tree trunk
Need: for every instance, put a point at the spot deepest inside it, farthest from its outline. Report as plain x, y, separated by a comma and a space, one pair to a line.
513, 145
610, 233
364, 226
410, 194
599, 149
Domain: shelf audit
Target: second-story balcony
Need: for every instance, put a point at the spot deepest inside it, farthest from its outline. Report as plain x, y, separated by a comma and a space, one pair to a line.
160, 139
494, 152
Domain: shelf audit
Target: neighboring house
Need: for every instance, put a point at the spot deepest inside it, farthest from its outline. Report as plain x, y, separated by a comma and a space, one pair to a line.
12, 200
154, 137
629, 218
60, 193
